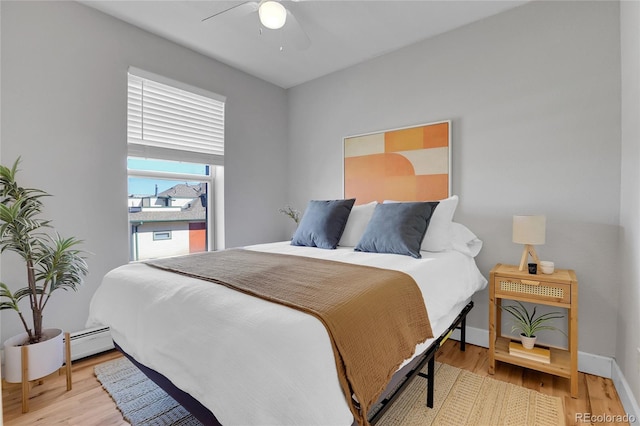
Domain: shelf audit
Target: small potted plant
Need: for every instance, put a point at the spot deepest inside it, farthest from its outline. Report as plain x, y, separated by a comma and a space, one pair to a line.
52, 263
528, 324
292, 213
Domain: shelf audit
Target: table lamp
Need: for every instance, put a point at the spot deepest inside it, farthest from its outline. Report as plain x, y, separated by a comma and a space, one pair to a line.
530, 231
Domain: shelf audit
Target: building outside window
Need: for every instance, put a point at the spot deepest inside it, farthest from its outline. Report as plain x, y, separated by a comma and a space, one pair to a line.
167, 217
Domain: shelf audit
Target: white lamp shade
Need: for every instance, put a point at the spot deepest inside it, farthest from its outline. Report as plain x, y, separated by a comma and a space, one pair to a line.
529, 229
272, 15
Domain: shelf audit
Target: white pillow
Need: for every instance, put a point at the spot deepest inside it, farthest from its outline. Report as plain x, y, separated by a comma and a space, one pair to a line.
356, 224
464, 240
439, 234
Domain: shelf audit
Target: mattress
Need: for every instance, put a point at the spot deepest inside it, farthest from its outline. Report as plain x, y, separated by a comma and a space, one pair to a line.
249, 361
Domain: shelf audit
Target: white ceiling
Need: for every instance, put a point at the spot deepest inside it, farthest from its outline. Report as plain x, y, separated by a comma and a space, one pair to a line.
341, 33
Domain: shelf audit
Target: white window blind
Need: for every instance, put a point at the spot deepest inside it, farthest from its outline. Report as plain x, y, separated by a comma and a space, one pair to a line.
173, 121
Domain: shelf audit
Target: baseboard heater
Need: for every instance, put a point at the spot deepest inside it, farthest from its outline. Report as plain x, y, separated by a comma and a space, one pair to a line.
89, 342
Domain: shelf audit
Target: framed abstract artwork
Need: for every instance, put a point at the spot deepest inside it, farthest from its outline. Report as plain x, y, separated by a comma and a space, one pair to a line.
407, 164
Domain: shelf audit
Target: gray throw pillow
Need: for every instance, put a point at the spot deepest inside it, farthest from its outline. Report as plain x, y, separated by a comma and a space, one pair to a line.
323, 223
397, 228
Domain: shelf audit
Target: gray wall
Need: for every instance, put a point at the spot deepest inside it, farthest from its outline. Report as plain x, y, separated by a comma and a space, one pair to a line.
628, 313
64, 81
534, 99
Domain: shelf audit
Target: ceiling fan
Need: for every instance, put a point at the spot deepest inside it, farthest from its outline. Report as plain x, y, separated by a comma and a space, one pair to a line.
273, 17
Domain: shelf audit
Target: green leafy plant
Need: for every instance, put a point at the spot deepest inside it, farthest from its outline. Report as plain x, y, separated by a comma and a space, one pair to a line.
52, 262
528, 324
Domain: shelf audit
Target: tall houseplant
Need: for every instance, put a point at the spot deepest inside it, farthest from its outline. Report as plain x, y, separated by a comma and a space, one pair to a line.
52, 262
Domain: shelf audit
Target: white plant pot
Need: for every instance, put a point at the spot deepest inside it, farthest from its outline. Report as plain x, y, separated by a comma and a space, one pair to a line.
528, 342
44, 358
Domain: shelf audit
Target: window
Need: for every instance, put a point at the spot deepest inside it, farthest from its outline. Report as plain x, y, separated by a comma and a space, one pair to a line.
161, 235
175, 136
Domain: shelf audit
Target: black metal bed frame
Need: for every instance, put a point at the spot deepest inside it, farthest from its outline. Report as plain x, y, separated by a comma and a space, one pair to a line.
384, 403
427, 357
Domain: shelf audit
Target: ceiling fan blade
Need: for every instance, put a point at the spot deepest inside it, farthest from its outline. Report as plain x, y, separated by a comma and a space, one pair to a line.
294, 33
239, 10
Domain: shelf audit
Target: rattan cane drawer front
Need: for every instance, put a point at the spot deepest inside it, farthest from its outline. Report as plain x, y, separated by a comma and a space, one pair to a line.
509, 286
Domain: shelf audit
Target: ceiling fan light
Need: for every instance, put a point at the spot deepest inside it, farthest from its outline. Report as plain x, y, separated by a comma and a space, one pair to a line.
272, 15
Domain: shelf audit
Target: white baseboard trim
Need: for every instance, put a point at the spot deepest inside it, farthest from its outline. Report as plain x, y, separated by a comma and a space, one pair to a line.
475, 336
627, 398
597, 365
587, 363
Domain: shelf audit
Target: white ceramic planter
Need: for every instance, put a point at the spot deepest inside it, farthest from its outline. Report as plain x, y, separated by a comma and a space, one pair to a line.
44, 358
528, 342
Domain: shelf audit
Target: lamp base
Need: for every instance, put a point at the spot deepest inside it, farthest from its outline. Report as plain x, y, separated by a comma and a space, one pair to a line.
529, 250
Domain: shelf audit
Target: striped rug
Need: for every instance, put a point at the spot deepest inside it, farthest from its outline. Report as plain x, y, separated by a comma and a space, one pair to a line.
460, 398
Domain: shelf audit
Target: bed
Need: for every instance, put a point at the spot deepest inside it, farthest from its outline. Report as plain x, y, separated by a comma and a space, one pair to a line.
254, 362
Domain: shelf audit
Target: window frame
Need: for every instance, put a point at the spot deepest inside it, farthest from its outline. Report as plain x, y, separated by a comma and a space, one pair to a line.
168, 232
136, 148
214, 180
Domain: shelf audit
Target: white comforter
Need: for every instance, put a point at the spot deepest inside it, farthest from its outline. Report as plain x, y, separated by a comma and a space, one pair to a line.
253, 362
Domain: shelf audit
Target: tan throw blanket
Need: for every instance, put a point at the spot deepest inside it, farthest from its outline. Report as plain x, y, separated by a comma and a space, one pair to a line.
375, 317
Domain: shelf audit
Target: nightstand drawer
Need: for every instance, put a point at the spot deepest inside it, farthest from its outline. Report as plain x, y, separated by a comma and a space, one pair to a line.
510, 286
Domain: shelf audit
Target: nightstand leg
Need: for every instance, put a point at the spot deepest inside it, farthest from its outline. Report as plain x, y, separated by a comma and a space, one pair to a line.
492, 327
573, 338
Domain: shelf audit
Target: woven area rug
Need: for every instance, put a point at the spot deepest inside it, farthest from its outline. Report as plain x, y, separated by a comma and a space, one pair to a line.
460, 398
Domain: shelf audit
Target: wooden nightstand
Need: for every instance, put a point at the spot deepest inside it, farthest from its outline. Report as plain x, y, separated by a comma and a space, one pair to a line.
559, 289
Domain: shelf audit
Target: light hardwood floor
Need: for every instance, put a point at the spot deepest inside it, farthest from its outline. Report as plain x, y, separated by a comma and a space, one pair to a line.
88, 404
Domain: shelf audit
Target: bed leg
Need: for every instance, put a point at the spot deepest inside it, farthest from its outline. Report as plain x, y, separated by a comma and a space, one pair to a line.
463, 334
430, 380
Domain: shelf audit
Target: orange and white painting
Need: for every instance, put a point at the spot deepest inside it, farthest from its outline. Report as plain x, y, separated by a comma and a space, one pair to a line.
408, 164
